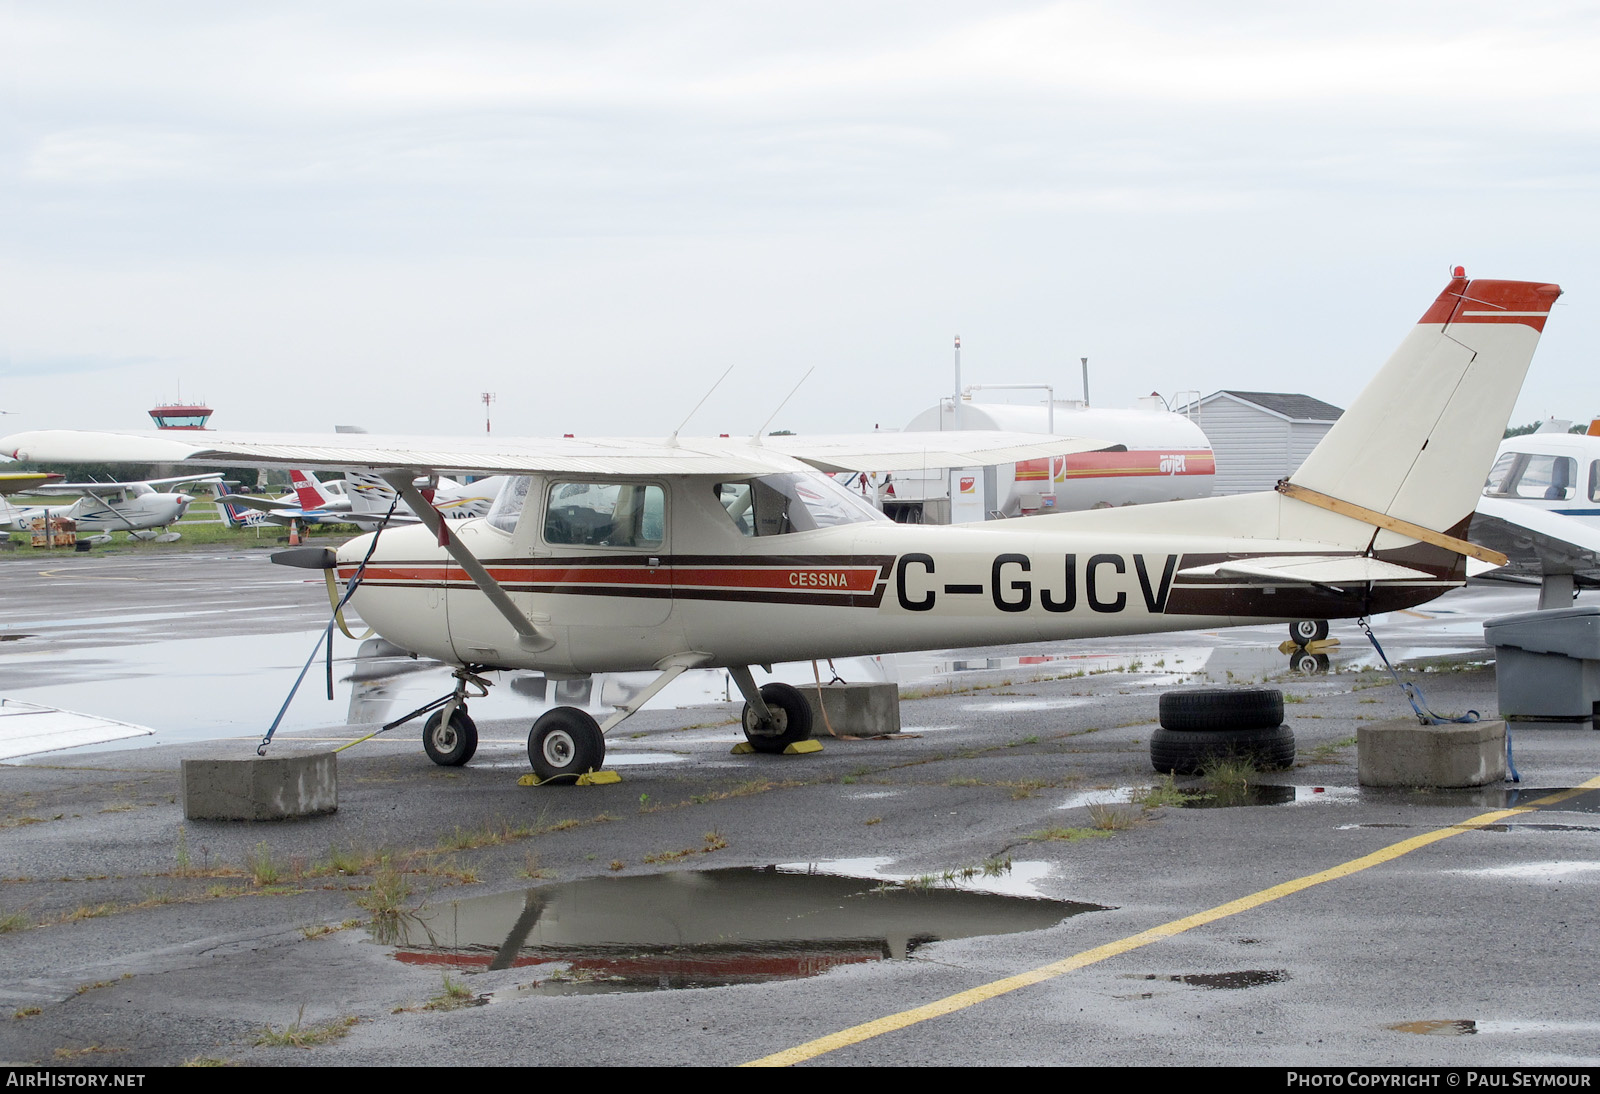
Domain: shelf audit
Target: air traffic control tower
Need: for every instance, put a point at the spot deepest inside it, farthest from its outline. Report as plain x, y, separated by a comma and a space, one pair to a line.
181, 416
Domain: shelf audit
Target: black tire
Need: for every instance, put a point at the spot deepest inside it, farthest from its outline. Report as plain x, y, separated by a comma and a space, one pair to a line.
565, 742
792, 714
452, 745
1303, 632
1201, 710
1178, 752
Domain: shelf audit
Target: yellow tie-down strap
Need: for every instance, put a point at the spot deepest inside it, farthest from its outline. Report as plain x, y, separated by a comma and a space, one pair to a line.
1392, 524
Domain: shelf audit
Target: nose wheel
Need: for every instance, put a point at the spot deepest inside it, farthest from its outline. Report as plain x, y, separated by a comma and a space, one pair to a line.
788, 721
450, 743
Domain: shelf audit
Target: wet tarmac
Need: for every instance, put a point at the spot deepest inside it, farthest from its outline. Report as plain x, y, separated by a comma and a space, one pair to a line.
1314, 922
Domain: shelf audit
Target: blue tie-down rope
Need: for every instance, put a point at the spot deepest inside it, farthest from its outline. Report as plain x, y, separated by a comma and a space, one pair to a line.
1419, 703
327, 637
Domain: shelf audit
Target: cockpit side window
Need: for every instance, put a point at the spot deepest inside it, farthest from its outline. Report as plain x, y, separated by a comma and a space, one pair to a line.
605, 514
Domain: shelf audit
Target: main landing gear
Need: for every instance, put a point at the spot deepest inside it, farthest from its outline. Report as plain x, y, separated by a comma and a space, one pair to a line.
565, 741
1303, 632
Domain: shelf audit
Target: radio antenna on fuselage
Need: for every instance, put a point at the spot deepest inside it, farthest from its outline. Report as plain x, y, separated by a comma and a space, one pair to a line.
756, 437
672, 441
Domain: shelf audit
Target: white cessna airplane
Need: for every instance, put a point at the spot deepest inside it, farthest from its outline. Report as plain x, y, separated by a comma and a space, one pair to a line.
614, 555
1541, 507
105, 507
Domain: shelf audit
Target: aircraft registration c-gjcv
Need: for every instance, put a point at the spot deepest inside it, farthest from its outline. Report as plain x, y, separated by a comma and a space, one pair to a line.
626, 555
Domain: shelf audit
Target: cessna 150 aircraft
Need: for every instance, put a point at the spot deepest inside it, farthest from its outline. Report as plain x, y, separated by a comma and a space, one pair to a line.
105, 507
674, 554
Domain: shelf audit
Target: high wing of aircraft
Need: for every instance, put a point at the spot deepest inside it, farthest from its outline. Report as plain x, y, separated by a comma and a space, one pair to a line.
1541, 508
671, 554
104, 507
17, 482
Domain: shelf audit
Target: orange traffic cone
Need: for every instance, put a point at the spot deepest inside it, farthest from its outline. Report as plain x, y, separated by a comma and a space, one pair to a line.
294, 533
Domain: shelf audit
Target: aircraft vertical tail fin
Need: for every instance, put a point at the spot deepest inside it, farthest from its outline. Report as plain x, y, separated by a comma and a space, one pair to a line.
1417, 442
308, 490
233, 514
369, 494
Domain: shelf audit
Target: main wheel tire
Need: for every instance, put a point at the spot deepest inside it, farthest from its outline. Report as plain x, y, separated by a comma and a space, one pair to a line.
1303, 632
791, 719
565, 741
450, 745
1200, 710
1179, 752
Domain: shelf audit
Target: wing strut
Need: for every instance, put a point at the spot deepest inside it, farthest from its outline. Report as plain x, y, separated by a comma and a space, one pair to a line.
1393, 524
528, 636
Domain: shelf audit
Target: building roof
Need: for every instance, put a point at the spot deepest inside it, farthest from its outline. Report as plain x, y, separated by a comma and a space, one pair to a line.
1295, 407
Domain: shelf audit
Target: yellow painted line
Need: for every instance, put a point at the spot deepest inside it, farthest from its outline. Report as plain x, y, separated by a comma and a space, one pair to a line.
962, 1000
86, 577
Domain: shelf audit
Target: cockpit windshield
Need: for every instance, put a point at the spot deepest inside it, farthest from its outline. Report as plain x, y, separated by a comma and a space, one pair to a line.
776, 505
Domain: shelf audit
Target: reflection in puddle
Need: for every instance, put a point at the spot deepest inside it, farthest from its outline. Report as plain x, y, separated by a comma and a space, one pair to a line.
707, 928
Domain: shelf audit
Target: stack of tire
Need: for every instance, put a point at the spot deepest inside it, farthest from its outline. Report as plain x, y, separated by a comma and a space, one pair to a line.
1200, 726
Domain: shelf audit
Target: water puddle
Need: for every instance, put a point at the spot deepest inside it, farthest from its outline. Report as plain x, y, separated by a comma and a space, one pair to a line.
1200, 796
1438, 1027
707, 928
1534, 871
1228, 981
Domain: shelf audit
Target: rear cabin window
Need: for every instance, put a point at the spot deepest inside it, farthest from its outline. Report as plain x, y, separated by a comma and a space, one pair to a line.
605, 514
1529, 475
776, 505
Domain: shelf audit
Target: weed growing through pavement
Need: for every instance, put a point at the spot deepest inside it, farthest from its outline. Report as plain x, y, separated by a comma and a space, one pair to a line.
1165, 792
299, 1035
261, 866
453, 996
385, 901
1111, 818
1229, 778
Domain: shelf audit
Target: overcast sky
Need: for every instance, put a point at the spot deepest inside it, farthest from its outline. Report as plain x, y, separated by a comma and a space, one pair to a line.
375, 212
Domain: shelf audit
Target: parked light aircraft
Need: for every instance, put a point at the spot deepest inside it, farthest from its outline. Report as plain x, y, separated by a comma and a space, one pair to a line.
311, 502
1541, 508
676, 554
104, 507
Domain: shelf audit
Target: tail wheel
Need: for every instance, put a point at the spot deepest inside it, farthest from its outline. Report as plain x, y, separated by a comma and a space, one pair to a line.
1306, 631
452, 744
791, 719
565, 741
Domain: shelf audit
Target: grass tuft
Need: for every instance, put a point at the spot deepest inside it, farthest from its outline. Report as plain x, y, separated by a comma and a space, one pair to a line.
299, 1035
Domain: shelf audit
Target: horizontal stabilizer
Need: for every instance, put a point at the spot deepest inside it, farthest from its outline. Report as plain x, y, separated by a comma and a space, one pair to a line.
1309, 570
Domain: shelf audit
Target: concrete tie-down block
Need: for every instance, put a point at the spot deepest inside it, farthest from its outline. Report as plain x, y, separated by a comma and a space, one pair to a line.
304, 784
854, 710
1403, 753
